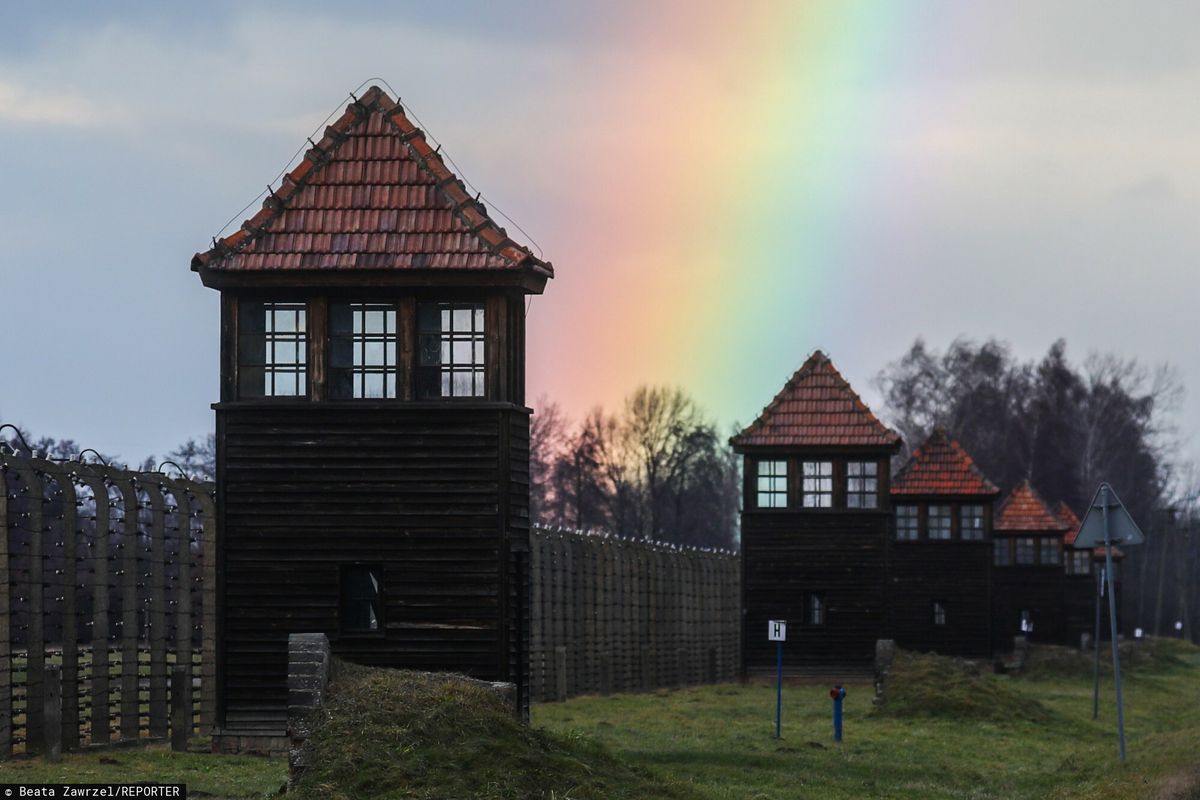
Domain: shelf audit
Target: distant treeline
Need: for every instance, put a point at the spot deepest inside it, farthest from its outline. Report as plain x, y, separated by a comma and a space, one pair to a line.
1067, 428
657, 469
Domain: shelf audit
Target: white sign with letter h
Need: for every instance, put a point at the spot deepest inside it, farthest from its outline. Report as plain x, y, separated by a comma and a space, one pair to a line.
777, 630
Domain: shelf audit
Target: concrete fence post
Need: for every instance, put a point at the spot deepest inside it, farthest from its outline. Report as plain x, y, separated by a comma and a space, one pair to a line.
308, 675
52, 713
181, 708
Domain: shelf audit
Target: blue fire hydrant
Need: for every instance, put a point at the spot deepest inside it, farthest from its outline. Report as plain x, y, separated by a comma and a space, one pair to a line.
838, 693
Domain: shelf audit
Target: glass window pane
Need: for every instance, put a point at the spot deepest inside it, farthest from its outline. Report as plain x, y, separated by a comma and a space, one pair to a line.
373, 357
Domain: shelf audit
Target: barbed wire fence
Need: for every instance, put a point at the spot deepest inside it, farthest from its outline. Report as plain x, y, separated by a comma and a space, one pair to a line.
107, 604
610, 614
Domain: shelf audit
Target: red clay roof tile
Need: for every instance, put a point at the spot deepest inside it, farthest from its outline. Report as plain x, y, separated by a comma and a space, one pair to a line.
372, 194
941, 466
816, 407
1024, 510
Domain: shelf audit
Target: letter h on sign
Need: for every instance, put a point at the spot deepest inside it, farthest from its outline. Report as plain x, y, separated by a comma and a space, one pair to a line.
777, 630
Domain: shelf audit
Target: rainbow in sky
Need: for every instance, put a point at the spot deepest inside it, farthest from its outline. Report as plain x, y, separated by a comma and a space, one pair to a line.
724, 175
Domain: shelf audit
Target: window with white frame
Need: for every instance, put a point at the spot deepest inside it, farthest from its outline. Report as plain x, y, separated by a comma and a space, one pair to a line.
971, 523
771, 483
940, 522
862, 484
1050, 550
939, 612
1079, 562
272, 349
908, 523
363, 342
817, 484
451, 344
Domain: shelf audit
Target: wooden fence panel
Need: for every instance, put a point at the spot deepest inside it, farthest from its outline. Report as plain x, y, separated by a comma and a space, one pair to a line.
614, 614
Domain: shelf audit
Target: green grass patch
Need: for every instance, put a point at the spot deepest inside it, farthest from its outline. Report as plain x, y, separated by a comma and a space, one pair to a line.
719, 739
934, 686
205, 774
394, 734
1150, 656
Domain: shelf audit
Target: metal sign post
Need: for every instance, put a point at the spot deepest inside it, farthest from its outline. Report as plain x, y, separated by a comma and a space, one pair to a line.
777, 632
1112, 617
1096, 647
1112, 526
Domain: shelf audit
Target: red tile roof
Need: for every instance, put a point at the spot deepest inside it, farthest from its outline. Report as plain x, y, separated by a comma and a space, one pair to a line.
372, 194
1070, 519
816, 407
941, 466
1024, 510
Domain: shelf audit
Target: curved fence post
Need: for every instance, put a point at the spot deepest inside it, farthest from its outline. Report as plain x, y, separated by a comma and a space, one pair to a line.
100, 694
152, 484
183, 612
6, 705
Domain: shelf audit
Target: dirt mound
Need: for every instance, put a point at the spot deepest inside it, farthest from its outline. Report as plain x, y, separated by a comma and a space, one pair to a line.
385, 733
936, 686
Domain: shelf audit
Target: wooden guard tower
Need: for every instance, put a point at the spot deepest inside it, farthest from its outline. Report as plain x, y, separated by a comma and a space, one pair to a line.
814, 525
1029, 576
939, 587
372, 432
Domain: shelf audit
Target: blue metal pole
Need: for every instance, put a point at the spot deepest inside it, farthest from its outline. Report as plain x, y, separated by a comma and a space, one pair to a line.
778, 689
837, 720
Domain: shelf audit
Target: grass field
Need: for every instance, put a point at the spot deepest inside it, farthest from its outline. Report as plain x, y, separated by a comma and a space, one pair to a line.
947, 731
719, 739
206, 775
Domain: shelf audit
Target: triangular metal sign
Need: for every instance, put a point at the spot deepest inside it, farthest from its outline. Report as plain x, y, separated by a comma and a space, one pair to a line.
1122, 529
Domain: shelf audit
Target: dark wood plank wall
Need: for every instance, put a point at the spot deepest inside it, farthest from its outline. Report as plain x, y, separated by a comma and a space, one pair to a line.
1079, 606
785, 556
420, 489
956, 573
1037, 588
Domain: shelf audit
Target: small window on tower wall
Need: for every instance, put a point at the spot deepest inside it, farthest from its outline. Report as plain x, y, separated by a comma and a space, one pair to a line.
818, 484
1050, 552
451, 343
363, 341
1081, 562
362, 592
816, 609
862, 484
939, 612
907, 523
972, 523
1025, 550
772, 484
939, 522
272, 350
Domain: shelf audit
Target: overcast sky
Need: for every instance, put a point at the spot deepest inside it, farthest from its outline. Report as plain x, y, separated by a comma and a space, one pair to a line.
1039, 177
